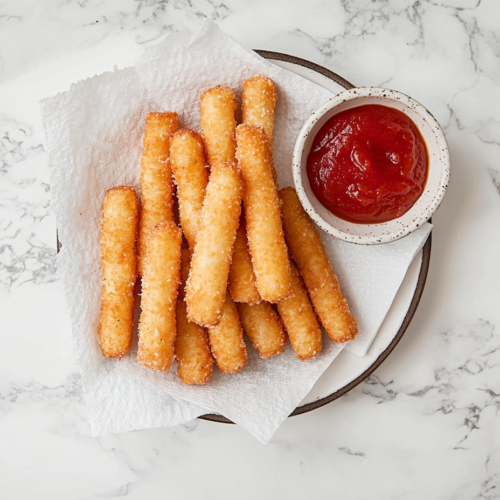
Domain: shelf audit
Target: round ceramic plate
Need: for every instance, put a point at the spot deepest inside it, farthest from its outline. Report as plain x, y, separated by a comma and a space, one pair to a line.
348, 370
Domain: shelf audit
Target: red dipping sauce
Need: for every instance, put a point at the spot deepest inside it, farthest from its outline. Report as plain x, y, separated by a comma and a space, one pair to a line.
368, 164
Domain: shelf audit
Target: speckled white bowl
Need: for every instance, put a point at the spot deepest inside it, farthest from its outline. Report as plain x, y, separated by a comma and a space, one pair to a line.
424, 207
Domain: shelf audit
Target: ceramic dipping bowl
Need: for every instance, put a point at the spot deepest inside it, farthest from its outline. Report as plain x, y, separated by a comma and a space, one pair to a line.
426, 204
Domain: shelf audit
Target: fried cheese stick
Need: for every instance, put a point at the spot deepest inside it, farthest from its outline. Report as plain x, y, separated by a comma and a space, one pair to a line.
262, 213
156, 178
263, 327
241, 282
188, 166
218, 124
299, 319
195, 363
226, 340
207, 282
160, 283
258, 103
119, 270
312, 261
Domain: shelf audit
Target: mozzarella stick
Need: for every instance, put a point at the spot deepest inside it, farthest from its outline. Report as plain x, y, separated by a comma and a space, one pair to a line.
263, 327
258, 103
156, 177
119, 270
195, 363
207, 283
217, 108
310, 256
262, 213
300, 322
160, 283
188, 166
241, 282
226, 340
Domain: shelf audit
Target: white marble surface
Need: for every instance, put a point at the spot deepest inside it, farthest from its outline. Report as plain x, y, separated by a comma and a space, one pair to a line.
425, 425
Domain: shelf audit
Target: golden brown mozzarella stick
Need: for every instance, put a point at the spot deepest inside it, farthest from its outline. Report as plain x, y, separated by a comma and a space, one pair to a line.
226, 340
207, 283
195, 363
217, 109
156, 177
119, 270
262, 213
241, 282
263, 327
160, 284
258, 103
310, 256
191, 176
299, 319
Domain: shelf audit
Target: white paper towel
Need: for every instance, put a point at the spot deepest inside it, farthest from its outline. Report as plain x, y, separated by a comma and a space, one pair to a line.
94, 141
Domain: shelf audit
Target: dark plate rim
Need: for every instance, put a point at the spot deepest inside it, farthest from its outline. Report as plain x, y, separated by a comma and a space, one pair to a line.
419, 289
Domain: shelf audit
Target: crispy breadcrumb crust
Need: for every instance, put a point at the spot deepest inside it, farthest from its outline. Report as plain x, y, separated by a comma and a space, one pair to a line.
160, 284
188, 163
226, 340
207, 282
156, 178
119, 217
299, 319
312, 261
241, 282
261, 203
263, 327
258, 104
195, 362
218, 124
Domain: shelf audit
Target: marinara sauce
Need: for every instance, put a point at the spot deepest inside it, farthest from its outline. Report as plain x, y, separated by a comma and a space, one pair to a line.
368, 164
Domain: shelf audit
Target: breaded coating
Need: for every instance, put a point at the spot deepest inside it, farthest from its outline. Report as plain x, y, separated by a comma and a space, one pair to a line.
207, 283
226, 340
195, 363
160, 284
218, 124
119, 270
258, 103
299, 319
156, 178
263, 327
241, 282
187, 160
312, 261
262, 213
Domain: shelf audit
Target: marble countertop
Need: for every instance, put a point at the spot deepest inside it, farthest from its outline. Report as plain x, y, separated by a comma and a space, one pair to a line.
425, 425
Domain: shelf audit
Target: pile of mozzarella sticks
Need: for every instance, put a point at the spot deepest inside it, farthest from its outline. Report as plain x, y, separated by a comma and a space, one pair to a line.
251, 260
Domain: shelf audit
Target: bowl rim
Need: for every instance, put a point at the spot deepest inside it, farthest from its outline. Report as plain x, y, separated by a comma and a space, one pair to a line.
399, 231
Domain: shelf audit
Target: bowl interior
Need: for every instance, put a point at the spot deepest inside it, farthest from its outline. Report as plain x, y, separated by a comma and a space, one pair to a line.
438, 170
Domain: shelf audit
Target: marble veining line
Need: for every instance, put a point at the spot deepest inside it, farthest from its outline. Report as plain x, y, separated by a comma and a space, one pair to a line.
365, 22
480, 358
155, 14
191, 426
489, 490
379, 390
19, 393
24, 204
492, 140
121, 491
64, 402
347, 451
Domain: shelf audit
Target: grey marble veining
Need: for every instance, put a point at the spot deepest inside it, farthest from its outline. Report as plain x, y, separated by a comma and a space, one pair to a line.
24, 205
424, 425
